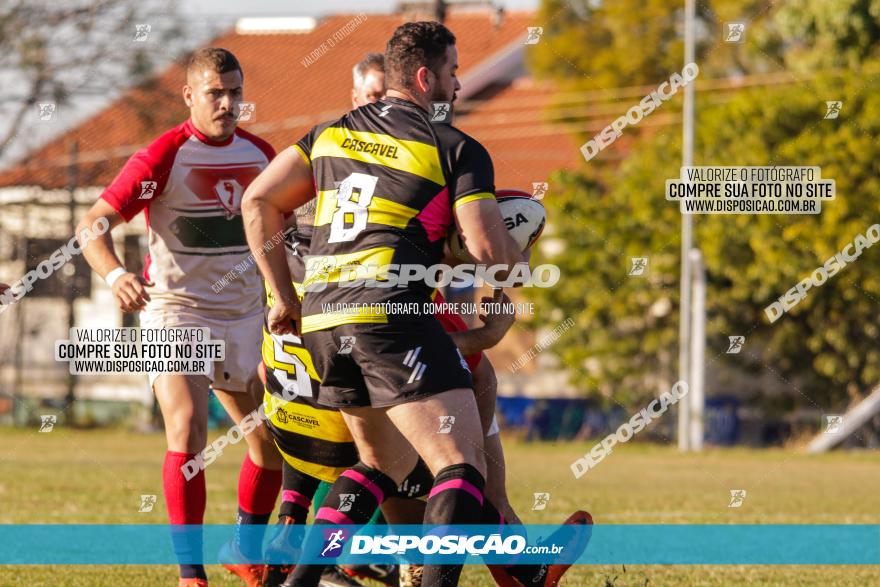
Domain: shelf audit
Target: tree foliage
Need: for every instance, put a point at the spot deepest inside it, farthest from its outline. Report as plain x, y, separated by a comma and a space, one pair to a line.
625, 344
829, 35
589, 44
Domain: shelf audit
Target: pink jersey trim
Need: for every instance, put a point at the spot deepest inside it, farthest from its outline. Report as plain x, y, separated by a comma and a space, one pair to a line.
436, 217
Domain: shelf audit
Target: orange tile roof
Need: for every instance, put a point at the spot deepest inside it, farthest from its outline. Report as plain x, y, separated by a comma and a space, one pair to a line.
291, 97
512, 123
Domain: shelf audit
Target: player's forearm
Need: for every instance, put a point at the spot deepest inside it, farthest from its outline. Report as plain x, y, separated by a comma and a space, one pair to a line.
486, 238
261, 222
475, 340
503, 251
99, 252
496, 249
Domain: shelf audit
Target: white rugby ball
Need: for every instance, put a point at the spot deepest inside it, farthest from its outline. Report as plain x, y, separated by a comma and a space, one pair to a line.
524, 218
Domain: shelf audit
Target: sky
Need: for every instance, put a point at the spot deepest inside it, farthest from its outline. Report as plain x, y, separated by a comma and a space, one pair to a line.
239, 8
215, 15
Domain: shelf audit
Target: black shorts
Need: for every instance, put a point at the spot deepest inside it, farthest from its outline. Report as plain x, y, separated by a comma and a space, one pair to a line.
380, 365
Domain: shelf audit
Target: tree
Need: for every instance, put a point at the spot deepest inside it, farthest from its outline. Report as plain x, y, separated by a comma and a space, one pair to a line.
595, 45
56, 52
605, 213
829, 35
625, 343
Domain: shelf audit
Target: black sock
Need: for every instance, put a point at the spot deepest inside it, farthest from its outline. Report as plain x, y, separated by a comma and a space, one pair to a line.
368, 488
249, 531
417, 483
297, 491
455, 498
187, 543
491, 515
192, 572
527, 574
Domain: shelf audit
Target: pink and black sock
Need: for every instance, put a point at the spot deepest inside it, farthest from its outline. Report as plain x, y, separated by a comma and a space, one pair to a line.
185, 501
456, 498
353, 499
257, 491
297, 491
491, 515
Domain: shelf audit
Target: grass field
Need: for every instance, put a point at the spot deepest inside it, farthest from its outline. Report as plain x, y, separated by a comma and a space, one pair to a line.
98, 476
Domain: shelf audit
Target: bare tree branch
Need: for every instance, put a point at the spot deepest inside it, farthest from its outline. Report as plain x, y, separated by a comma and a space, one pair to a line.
55, 52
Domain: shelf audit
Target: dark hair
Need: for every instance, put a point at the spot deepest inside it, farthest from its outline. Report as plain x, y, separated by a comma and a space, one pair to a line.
370, 62
213, 59
414, 45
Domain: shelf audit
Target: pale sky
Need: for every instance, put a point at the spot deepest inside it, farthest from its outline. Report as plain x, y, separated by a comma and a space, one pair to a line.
215, 16
239, 8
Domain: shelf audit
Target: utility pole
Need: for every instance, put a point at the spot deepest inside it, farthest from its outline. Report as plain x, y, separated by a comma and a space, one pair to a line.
70, 291
687, 159
696, 383
440, 10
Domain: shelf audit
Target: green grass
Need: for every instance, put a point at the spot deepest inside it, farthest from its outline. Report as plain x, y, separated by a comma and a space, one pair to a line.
98, 476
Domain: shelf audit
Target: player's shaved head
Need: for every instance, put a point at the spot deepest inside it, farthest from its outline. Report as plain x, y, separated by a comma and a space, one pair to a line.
211, 59
412, 46
368, 80
370, 62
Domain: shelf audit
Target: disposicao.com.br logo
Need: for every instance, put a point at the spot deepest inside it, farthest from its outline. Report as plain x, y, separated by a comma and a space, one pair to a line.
443, 544
476, 545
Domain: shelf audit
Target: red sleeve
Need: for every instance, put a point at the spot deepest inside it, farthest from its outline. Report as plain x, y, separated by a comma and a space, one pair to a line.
452, 322
144, 176
473, 360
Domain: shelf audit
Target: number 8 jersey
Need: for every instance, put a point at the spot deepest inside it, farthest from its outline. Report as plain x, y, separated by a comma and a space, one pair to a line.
388, 180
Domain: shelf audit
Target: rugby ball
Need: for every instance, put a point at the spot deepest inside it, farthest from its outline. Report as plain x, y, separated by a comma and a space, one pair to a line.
524, 218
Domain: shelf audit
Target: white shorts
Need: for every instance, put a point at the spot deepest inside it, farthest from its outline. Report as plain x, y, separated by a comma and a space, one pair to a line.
243, 337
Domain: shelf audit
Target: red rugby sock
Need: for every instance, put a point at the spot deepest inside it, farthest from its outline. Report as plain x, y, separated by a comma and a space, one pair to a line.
185, 501
257, 488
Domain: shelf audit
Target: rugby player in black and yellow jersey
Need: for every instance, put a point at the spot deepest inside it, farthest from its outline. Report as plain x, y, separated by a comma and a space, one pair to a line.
315, 442
391, 186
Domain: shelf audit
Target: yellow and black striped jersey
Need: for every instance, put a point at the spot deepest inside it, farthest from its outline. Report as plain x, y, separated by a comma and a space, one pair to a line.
388, 180
312, 438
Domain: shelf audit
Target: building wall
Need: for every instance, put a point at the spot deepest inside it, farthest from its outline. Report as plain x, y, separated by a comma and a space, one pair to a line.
30, 327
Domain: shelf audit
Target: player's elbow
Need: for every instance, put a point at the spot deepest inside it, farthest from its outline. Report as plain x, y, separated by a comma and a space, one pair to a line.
252, 202
80, 227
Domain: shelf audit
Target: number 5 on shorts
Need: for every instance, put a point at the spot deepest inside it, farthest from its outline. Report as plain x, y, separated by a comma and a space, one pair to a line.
289, 369
352, 200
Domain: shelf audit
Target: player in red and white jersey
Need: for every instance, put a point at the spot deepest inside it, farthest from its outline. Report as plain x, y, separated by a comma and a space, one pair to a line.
199, 273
